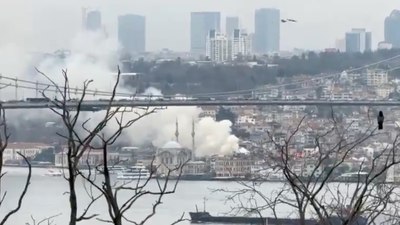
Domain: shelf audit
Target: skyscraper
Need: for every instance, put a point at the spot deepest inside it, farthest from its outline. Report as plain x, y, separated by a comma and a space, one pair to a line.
358, 40
200, 25
232, 23
217, 47
241, 44
267, 31
132, 33
93, 20
392, 29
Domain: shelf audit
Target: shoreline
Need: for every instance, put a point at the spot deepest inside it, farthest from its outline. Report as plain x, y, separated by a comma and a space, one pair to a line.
191, 178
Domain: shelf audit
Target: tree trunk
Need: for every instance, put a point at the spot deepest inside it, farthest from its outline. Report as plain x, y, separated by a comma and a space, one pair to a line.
118, 220
72, 195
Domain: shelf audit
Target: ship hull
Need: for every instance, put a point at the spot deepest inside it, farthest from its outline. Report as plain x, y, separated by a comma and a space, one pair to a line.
205, 217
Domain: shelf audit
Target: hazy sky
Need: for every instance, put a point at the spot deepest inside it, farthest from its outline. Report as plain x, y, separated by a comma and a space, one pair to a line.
45, 25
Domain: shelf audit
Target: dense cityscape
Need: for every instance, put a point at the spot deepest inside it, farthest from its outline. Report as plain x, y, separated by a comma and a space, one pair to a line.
329, 164
236, 48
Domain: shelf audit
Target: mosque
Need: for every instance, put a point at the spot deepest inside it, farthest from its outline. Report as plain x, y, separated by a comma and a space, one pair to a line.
173, 154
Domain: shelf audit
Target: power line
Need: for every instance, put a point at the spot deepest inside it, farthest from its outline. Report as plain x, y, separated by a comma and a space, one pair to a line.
40, 86
299, 82
47, 85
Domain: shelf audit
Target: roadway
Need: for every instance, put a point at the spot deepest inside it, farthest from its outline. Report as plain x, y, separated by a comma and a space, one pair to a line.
136, 103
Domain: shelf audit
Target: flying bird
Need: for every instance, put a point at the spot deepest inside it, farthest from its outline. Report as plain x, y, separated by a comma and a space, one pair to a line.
288, 20
381, 118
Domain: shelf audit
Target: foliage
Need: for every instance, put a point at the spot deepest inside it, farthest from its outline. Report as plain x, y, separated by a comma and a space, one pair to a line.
225, 114
174, 77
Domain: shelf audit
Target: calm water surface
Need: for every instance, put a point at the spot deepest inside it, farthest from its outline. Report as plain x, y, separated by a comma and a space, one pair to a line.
46, 197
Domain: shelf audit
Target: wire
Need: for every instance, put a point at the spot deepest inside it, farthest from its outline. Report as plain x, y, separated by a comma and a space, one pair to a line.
299, 82
53, 88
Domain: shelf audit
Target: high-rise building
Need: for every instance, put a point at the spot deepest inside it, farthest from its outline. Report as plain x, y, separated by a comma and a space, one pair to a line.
267, 31
340, 44
220, 48
392, 29
92, 20
217, 47
376, 77
232, 23
241, 44
200, 25
132, 33
358, 40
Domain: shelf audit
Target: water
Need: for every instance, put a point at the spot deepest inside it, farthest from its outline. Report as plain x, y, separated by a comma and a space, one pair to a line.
46, 197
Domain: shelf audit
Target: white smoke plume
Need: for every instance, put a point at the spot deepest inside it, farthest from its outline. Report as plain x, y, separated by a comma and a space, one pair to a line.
211, 137
152, 91
215, 137
94, 57
14, 62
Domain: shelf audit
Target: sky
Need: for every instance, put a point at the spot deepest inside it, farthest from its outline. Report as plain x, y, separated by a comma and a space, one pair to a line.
47, 25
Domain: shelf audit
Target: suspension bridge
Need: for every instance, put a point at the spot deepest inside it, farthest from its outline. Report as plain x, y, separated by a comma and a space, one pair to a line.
100, 99
94, 105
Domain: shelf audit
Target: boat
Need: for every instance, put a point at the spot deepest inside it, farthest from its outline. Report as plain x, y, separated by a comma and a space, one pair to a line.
134, 173
204, 217
352, 177
54, 173
112, 169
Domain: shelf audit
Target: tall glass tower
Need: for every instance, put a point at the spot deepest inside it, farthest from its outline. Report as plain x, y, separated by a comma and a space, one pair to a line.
232, 23
392, 29
93, 20
132, 33
200, 25
267, 31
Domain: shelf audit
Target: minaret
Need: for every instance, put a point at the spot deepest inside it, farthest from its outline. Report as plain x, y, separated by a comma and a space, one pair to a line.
193, 140
84, 11
177, 130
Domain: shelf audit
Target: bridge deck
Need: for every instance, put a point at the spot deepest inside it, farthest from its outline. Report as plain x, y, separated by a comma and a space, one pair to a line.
127, 103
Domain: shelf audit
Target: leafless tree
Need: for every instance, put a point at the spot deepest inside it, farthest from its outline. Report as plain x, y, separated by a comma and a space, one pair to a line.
135, 189
83, 138
46, 221
312, 185
78, 143
4, 137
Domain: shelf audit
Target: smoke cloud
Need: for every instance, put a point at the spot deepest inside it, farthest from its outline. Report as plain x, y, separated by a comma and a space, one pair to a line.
211, 137
93, 56
152, 91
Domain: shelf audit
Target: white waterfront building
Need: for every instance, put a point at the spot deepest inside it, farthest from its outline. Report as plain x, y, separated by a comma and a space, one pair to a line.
377, 77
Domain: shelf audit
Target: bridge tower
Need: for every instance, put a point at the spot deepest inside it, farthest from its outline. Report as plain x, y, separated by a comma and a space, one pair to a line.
37, 89
16, 88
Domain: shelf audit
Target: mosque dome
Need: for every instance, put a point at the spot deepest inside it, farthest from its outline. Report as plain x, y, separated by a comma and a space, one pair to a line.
172, 145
